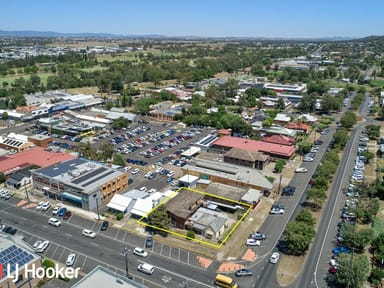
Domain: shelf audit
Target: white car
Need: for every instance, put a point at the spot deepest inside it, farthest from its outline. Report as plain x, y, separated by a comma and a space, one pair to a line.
88, 233
40, 205
54, 222
140, 252
56, 210
143, 189
45, 206
71, 259
135, 171
274, 258
41, 248
36, 244
253, 242
308, 159
146, 268
301, 170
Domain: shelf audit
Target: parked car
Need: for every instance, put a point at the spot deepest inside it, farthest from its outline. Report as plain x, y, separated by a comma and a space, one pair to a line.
88, 233
62, 212
253, 242
70, 259
274, 258
289, 190
301, 170
149, 241
258, 236
39, 205
45, 206
276, 210
56, 210
42, 246
140, 252
243, 272
67, 215
9, 230
104, 226
340, 249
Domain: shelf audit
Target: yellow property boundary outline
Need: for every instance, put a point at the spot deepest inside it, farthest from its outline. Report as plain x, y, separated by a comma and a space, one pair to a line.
217, 246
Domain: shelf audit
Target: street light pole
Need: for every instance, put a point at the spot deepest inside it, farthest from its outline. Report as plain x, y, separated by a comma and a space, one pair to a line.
97, 206
125, 252
26, 191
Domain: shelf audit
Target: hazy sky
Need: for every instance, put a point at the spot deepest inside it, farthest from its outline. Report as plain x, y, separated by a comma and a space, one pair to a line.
237, 18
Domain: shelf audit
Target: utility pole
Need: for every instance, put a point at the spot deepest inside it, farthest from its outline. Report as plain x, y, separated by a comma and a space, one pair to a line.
125, 253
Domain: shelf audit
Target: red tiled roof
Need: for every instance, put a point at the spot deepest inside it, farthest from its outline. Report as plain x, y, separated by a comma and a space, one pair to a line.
279, 139
253, 145
224, 132
37, 156
298, 126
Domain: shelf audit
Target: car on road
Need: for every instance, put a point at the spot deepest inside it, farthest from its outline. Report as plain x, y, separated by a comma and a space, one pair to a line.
146, 268
274, 257
308, 159
340, 249
301, 170
143, 189
149, 241
104, 226
45, 206
5, 194
253, 242
9, 230
43, 245
67, 215
54, 222
62, 212
88, 233
70, 259
277, 210
243, 272
258, 236
289, 190
56, 210
140, 252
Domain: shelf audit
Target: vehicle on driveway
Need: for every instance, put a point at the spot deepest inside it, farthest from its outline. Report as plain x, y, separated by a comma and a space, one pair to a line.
243, 272
88, 233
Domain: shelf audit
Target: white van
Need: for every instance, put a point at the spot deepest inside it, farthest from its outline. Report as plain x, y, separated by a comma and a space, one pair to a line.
146, 268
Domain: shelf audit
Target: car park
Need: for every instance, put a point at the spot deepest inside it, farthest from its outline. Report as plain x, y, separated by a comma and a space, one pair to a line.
54, 222
252, 242
70, 259
146, 268
274, 258
243, 272
140, 252
42, 246
104, 226
88, 233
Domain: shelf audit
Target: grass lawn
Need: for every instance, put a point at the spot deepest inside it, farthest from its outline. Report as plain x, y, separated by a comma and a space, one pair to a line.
378, 222
10, 79
377, 82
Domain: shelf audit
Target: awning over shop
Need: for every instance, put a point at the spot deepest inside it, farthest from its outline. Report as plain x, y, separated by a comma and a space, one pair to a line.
72, 197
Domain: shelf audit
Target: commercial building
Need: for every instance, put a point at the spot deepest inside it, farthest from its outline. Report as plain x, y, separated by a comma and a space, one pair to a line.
246, 158
40, 140
227, 174
226, 143
15, 142
12, 254
81, 182
101, 277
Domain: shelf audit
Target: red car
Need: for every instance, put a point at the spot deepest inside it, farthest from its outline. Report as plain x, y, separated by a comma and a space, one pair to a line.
332, 269
67, 215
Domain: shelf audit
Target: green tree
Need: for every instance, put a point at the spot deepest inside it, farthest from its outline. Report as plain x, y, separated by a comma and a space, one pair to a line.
348, 120
341, 137
297, 237
353, 270
356, 239
2, 178
119, 159
280, 104
316, 197
159, 218
119, 123
378, 249
5, 115
106, 151
306, 217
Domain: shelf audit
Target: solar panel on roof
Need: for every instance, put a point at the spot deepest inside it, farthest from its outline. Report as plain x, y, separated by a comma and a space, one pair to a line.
98, 178
89, 175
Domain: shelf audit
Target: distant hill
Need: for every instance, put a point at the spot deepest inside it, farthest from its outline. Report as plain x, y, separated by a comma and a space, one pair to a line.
30, 33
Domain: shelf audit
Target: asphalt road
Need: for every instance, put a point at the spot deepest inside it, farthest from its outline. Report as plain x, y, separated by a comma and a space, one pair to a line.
172, 266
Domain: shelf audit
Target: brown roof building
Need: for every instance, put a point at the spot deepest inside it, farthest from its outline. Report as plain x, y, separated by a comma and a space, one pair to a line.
279, 139
182, 206
247, 158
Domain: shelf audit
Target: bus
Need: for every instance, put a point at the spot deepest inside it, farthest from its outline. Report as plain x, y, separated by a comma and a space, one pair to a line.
225, 281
